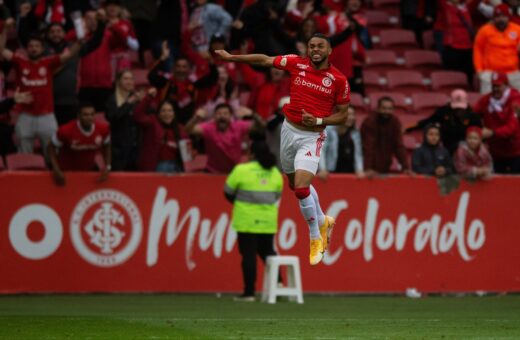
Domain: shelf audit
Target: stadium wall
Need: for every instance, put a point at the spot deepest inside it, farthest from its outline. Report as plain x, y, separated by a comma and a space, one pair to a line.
156, 233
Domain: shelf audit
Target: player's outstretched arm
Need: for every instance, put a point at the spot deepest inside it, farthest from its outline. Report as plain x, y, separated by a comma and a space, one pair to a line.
252, 59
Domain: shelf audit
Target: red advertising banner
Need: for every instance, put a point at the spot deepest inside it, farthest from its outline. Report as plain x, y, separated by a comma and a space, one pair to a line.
156, 233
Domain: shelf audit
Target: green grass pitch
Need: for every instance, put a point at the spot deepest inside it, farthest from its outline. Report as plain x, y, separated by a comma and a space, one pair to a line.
165, 316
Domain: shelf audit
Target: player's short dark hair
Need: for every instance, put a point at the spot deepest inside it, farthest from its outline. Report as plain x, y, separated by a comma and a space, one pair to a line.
384, 99
224, 105
85, 104
320, 36
35, 37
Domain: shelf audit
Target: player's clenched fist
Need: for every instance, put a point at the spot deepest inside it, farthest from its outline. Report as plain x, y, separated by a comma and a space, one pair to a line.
308, 119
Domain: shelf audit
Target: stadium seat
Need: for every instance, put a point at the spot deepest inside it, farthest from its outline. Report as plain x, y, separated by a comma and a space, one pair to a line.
446, 81
428, 40
406, 82
100, 117
398, 40
400, 101
409, 120
410, 142
197, 164
356, 100
423, 61
141, 77
380, 61
427, 103
380, 20
389, 6
473, 98
373, 82
25, 161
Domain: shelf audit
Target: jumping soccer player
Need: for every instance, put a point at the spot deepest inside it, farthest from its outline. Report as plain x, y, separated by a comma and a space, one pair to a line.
317, 88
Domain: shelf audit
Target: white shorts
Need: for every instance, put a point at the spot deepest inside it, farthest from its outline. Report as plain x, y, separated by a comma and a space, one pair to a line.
300, 150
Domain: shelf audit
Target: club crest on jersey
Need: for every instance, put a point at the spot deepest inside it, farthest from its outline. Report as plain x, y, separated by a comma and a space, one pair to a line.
331, 76
513, 35
98, 140
42, 71
327, 82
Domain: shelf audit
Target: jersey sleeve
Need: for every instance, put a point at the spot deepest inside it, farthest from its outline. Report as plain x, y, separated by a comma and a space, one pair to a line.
286, 62
232, 182
60, 137
343, 92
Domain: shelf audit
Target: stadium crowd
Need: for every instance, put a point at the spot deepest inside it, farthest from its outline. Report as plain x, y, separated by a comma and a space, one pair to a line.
134, 85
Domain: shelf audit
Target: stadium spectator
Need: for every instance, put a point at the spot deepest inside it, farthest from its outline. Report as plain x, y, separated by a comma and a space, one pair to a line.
496, 49
177, 87
75, 145
143, 15
261, 23
66, 78
472, 159
225, 91
453, 118
96, 71
161, 134
382, 139
206, 20
125, 132
294, 18
343, 151
417, 16
305, 33
126, 39
431, 158
265, 99
50, 12
355, 12
223, 136
6, 130
501, 126
254, 188
172, 19
349, 55
458, 34
34, 74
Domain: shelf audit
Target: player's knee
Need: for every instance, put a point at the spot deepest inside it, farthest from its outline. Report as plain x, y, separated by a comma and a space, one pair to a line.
302, 193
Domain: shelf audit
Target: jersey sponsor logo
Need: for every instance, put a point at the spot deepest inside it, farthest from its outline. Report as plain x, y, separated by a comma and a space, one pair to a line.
106, 228
283, 62
302, 82
302, 73
302, 66
34, 82
327, 82
75, 145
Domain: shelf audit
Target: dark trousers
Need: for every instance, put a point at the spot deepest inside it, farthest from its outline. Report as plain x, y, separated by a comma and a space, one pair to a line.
459, 60
249, 246
509, 166
6, 139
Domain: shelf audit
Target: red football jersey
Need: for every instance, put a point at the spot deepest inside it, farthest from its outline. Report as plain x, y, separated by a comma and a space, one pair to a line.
36, 78
315, 91
78, 148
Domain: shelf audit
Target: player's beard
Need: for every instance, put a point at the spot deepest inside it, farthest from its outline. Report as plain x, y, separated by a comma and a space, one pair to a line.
323, 61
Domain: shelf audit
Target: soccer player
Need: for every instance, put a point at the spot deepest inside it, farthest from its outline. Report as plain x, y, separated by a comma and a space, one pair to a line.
317, 88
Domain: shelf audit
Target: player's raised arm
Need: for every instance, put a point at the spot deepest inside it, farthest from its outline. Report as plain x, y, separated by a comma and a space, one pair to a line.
252, 59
